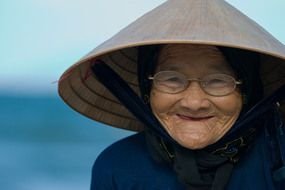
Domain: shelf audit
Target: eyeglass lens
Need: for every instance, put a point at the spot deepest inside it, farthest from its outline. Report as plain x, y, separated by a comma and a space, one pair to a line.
174, 82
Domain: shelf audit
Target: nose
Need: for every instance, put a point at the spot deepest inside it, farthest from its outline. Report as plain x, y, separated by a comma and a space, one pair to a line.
194, 98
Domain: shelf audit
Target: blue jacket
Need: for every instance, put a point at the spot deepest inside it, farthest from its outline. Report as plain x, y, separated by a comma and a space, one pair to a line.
126, 165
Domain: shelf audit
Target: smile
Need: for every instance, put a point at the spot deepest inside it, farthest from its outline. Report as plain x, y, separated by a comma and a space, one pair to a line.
192, 118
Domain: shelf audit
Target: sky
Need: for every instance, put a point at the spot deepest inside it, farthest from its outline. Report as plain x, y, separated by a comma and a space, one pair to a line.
40, 39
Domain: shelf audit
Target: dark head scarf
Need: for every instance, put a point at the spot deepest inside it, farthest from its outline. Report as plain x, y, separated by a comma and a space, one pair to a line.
209, 168
200, 169
246, 65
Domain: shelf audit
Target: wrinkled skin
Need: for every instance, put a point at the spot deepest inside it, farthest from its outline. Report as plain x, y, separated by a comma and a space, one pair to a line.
193, 118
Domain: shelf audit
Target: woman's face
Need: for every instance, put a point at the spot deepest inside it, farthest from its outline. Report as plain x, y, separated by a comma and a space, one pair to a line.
192, 117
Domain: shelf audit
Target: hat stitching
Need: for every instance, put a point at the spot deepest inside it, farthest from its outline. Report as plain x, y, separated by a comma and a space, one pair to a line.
119, 65
93, 105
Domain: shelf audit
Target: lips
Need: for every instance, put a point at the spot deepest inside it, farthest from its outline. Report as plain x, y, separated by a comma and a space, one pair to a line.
194, 118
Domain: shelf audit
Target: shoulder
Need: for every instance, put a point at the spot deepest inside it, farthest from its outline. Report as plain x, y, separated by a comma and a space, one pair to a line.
116, 164
127, 165
254, 171
132, 148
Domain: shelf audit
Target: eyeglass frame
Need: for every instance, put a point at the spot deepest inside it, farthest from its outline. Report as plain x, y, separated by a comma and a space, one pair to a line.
199, 80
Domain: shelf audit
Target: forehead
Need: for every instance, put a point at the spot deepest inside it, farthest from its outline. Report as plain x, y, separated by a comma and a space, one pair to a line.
194, 57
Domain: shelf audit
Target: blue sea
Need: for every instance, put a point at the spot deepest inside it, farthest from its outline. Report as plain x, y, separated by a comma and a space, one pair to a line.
45, 145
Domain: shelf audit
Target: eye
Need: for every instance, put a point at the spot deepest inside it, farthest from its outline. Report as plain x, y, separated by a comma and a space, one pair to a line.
218, 81
170, 79
173, 79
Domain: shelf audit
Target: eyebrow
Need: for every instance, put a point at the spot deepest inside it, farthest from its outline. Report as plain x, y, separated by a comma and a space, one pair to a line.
168, 66
175, 67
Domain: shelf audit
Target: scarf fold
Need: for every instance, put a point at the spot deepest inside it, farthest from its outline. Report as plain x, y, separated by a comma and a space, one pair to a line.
197, 169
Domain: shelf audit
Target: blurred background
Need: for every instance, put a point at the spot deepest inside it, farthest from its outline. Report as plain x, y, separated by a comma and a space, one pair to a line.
44, 144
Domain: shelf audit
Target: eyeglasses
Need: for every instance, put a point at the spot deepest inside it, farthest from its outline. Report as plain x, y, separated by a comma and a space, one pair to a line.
173, 82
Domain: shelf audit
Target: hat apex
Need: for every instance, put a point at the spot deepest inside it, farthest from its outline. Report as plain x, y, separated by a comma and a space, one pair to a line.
213, 22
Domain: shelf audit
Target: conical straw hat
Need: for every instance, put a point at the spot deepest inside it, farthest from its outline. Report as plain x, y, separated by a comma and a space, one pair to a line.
213, 22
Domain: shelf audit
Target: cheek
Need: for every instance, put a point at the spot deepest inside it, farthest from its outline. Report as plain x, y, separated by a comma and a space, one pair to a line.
229, 105
196, 135
160, 102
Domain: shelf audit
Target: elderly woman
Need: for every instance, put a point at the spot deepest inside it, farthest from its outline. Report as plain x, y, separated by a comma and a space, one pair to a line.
203, 84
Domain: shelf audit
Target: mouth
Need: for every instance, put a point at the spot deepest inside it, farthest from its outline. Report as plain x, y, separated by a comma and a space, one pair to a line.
194, 118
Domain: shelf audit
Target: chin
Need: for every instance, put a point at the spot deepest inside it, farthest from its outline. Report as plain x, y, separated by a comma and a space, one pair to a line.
193, 146
193, 143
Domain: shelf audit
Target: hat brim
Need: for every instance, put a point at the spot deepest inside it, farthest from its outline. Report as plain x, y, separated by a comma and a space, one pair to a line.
186, 21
